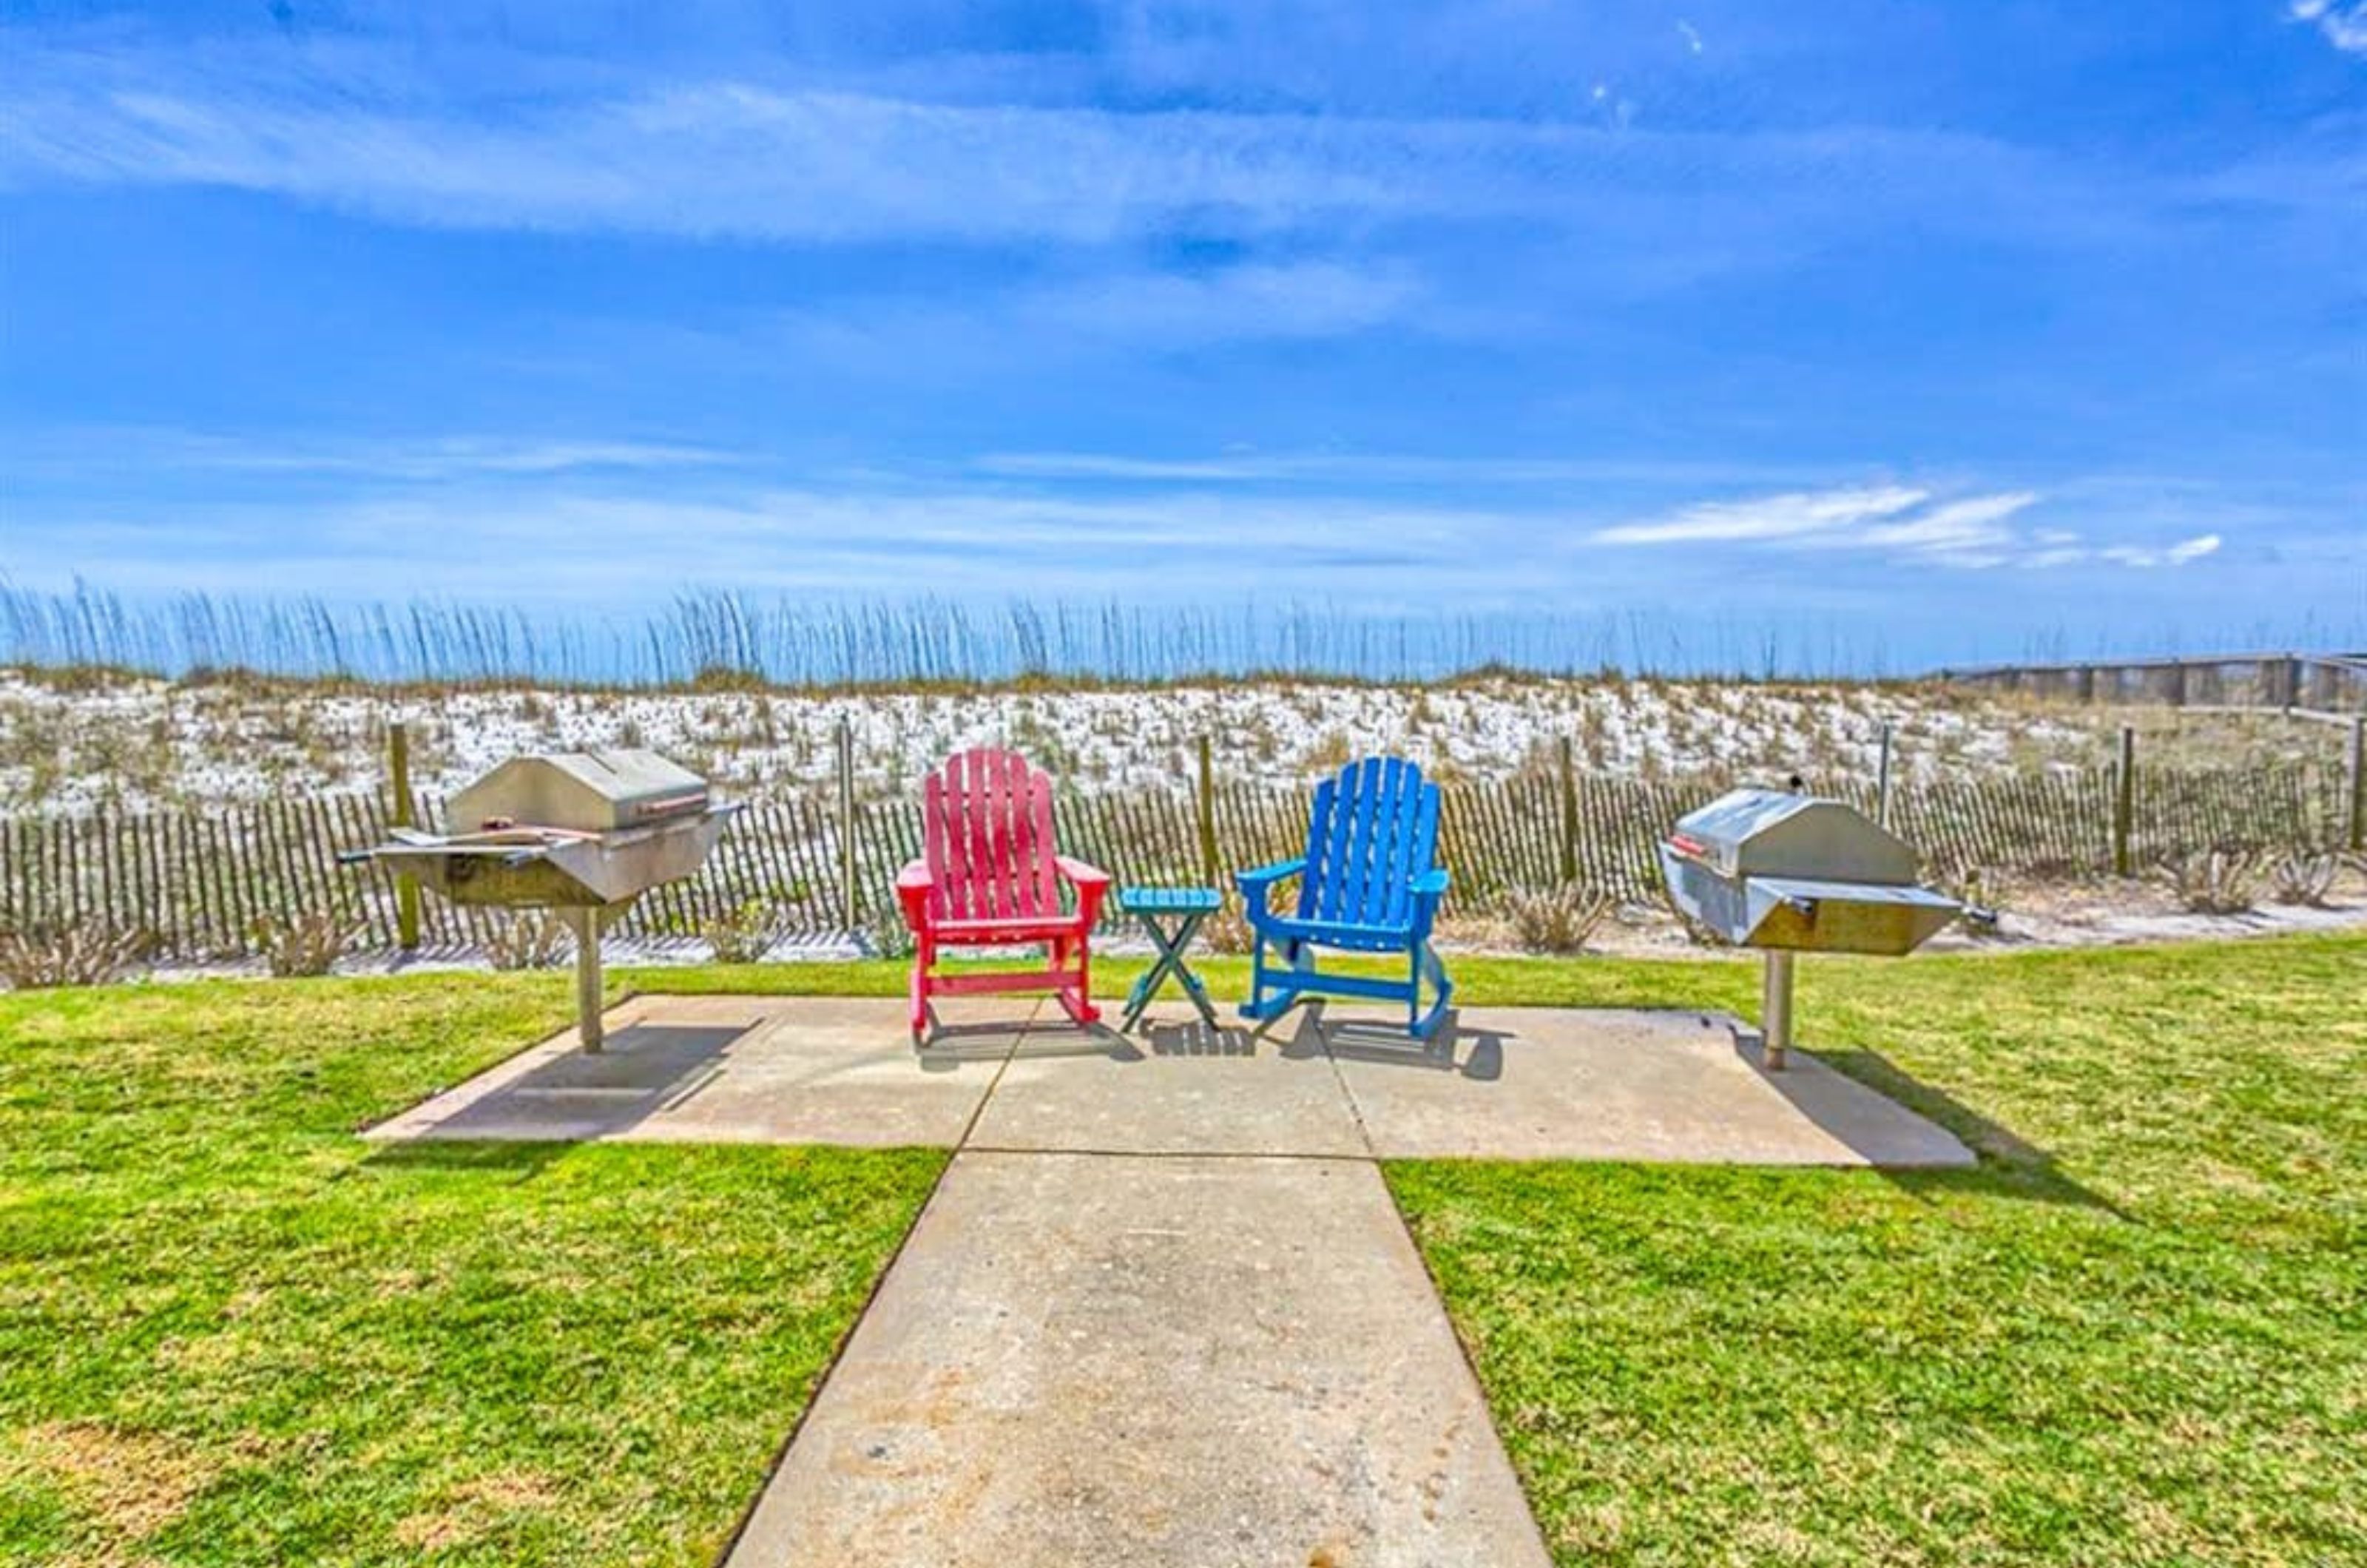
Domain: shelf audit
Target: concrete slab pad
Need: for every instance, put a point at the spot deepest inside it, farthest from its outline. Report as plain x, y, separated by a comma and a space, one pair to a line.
1173, 1087
1546, 1083
740, 1069
1149, 1360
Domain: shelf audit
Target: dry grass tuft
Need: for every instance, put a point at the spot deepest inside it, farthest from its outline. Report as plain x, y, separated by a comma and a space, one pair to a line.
1227, 931
308, 944
82, 953
2218, 882
2304, 877
1558, 919
746, 934
533, 939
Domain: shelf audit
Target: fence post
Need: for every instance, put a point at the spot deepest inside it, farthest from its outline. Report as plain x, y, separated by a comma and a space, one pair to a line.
2355, 828
1569, 816
1207, 814
846, 824
2124, 799
401, 815
1882, 778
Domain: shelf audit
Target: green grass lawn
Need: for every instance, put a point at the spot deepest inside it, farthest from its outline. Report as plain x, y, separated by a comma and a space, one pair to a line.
230, 1333
2137, 1333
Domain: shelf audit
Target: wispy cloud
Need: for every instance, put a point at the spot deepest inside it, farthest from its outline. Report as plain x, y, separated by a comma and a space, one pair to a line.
725, 157
1972, 533
2175, 554
423, 458
2343, 24
884, 532
1788, 517
1373, 468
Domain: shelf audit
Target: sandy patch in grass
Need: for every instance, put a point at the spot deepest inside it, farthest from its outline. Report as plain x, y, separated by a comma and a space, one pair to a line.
474, 1508
132, 1483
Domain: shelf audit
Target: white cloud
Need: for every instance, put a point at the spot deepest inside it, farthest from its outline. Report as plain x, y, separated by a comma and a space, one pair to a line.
1970, 524
722, 157
1373, 468
1973, 533
411, 458
1768, 517
593, 543
2178, 554
2343, 25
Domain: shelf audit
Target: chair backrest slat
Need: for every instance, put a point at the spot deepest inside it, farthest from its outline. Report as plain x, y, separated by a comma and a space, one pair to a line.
987, 836
1384, 893
1374, 828
1039, 878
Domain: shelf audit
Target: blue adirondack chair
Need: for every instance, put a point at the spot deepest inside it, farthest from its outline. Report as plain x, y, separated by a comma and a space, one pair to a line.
1368, 883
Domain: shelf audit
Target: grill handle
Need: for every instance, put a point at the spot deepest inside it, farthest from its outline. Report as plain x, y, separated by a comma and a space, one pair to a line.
667, 805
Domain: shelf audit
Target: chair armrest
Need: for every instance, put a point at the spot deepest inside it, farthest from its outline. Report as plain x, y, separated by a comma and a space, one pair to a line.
912, 886
1080, 873
1255, 885
1265, 875
1427, 889
1092, 883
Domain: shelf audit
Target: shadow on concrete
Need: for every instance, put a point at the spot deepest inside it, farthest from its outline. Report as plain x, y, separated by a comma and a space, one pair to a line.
1196, 1039
1477, 1054
644, 1069
948, 1046
1058, 1036
2010, 1165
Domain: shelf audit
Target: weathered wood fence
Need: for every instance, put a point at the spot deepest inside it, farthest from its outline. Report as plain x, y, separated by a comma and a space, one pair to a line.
197, 879
2313, 685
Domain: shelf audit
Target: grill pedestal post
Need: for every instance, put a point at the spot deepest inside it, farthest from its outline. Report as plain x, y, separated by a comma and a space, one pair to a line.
1775, 1010
587, 976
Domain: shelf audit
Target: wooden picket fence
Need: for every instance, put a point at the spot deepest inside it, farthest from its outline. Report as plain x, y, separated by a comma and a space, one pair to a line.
198, 880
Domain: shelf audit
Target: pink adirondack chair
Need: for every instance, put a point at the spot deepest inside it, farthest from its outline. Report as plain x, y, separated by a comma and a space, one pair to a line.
989, 876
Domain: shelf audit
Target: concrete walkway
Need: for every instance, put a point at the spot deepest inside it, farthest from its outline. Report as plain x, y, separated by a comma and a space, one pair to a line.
1189, 1360
1506, 1083
1161, 1309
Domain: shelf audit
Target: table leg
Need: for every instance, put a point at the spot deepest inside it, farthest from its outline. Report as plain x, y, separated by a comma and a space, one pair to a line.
1170, 946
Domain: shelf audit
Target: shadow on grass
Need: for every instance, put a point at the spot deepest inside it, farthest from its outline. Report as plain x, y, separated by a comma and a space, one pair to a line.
2010, 1165
521, 1161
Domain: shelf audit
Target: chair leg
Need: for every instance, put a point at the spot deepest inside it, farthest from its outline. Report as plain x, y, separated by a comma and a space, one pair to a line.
1083, 1010
1426, 960
920, 990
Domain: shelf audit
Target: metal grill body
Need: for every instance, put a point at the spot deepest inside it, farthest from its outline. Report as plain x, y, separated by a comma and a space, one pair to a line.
1788, 874
586, 832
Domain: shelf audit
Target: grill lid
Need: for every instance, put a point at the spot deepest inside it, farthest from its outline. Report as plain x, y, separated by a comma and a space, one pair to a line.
590, 792
1773, 832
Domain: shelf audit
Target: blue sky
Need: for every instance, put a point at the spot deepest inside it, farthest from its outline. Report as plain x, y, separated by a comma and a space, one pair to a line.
1984, 326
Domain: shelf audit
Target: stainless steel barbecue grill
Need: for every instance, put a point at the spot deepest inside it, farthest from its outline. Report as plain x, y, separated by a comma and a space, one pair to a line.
585, 832
1790, 873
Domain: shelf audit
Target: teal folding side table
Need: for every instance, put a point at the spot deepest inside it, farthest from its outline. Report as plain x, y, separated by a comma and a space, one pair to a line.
1170, 916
